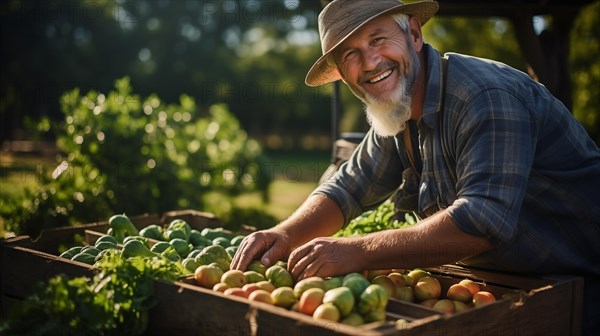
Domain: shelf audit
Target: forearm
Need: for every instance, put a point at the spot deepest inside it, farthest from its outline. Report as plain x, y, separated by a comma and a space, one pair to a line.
434, 241
318, 216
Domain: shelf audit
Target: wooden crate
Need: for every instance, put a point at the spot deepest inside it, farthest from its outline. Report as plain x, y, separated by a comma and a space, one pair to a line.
548, 305
22, 268
24, 262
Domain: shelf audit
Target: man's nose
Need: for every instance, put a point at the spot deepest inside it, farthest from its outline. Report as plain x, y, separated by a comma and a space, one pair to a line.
371, 59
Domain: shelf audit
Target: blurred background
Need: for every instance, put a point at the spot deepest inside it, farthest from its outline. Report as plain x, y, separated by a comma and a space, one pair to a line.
155, 105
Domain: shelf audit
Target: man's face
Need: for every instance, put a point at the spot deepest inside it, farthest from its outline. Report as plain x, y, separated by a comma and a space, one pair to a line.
379, 65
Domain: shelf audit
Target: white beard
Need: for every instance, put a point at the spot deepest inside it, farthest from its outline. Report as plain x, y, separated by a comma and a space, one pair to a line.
389, 117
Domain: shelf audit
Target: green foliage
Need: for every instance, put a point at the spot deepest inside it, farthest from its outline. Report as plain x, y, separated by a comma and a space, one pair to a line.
492, 38
124, 154
585, 65
213, 49
114, 302
67, 199
375, 220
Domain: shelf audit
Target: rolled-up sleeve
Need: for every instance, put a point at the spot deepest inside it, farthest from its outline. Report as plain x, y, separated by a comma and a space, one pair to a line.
494, 153
370, 176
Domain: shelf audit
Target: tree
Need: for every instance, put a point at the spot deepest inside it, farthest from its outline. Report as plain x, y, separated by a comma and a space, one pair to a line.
251, 55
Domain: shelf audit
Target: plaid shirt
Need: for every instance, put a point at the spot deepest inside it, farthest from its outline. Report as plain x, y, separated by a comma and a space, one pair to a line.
516, 168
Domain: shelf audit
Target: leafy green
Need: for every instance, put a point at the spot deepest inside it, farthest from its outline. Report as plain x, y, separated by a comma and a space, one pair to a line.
375, 220
121, 153
114, 302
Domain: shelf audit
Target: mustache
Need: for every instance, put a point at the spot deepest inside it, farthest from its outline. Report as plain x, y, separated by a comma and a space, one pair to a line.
365, 76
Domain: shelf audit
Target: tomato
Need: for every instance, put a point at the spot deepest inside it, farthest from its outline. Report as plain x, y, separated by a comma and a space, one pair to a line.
304, 284
357, 284
253, 276
376, 315
327, 311
279, 276
208, 275
354, 319
374, 297
342, 298
310, 300
283, 297
332, 283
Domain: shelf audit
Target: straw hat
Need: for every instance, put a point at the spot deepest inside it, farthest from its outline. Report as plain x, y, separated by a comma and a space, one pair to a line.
341, 18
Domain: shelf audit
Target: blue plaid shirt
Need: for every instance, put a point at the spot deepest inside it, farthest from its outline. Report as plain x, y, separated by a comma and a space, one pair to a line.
509, 163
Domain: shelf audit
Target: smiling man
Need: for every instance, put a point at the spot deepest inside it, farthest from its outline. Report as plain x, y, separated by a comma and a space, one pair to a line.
380, 67
502, 174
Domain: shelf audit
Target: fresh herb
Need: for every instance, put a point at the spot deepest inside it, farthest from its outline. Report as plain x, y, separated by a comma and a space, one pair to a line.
375, 220
114, 302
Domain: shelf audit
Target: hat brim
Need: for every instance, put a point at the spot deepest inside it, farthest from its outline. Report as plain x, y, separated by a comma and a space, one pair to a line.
322, 73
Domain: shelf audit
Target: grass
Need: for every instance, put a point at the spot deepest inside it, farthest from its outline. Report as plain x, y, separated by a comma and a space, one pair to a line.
295, 175
18, 173
297, 166
287, 196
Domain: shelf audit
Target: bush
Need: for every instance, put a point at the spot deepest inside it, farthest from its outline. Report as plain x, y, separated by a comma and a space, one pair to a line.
122, 154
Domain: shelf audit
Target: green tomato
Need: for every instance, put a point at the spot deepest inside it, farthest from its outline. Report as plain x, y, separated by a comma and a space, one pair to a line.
107, 238
197, 239
373, 298
84, 258
171, 234
357, 284
231, 250
257, 266
237, 240
152, 231
332, 283
144, 240
253, 277
342, 298
218, 251
171, 254
194, 253
90, 250
190, 264
136, 248
181, 246
279, 276
121, 223
221, 241
105, 245
160, 247
181, 225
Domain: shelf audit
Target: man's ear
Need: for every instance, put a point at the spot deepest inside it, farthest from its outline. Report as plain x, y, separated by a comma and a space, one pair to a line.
340, 73
416, 35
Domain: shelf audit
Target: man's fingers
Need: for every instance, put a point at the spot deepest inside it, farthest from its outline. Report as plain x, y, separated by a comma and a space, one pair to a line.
312, 269
300, 259
274, 253
249, 249
320, 257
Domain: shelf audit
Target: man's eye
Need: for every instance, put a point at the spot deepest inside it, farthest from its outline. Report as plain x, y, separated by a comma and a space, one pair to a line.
350, 55
377, 40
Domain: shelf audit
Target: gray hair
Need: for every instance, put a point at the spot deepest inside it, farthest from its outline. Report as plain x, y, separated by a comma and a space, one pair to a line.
402, 20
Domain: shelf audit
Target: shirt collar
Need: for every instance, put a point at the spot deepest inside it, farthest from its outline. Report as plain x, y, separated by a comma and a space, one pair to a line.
433, 89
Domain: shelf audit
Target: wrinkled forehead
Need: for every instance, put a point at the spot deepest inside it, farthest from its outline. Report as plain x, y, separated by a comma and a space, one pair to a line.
380, 26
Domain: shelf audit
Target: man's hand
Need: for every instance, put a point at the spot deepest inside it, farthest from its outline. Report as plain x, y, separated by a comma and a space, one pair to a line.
318, 216
326, 257
268, 246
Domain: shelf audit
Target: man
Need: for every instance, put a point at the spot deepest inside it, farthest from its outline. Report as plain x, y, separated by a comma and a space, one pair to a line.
508, 178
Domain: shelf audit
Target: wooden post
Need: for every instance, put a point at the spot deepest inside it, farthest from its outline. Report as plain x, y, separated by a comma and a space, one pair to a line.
548, 53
